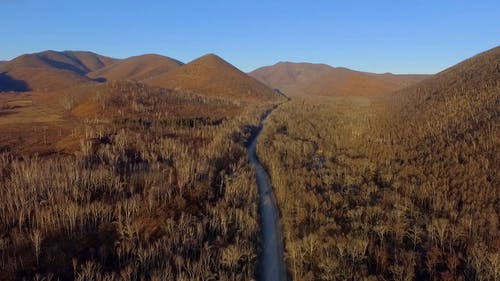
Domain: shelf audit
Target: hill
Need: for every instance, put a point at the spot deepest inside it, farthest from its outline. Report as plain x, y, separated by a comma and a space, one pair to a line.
211, 76
137, 68
50, 70
298, 79
404, 185
458, 109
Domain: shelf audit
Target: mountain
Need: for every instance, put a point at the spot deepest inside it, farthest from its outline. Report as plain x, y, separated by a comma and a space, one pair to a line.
298, 79
289, 77
137, 68
50, 70
212, 76
2, 62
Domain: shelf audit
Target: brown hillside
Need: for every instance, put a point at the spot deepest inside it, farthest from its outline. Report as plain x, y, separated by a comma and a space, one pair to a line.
210, 75
299, 79
410, 178
49, 70
460, 100
137, 68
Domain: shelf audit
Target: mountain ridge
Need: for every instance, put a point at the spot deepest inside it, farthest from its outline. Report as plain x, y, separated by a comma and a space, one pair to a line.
137, 68
52, 70
299, 79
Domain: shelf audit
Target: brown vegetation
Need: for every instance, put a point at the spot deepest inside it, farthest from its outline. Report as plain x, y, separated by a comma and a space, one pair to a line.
128, 181
123, 181
399, 188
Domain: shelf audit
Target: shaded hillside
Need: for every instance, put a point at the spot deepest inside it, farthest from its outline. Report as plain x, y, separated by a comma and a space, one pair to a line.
51, 70
299, 79
7, 84
137, 68
88, 60
211, 76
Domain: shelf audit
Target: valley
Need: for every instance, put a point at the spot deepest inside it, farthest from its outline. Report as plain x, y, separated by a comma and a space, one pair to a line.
148, 168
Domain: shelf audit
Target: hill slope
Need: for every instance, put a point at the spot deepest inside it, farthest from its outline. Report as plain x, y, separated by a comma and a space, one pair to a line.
137, 68
298, 79
210, 75
50, 70
466, 93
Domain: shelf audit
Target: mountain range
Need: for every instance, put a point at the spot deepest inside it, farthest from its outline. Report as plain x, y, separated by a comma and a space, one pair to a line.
209, 75
299, 79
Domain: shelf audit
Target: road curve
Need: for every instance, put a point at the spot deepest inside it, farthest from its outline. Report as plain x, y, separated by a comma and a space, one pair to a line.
272, 265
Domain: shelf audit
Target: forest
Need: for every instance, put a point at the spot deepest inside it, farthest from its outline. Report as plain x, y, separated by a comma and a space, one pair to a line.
151, 192
398, 187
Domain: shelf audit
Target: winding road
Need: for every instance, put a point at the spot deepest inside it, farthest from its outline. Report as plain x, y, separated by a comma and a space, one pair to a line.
272, 265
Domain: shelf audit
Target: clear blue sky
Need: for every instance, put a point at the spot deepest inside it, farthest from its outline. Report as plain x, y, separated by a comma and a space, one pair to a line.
400, 36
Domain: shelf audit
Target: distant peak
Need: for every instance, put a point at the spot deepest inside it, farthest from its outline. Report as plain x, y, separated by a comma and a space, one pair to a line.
154, 56
210, 59
291, 63
284, 63
210, 56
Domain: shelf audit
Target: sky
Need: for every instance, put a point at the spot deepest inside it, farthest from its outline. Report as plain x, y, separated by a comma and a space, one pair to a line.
398, 36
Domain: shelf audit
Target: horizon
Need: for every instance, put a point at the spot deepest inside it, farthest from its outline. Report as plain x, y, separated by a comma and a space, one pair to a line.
383, 37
